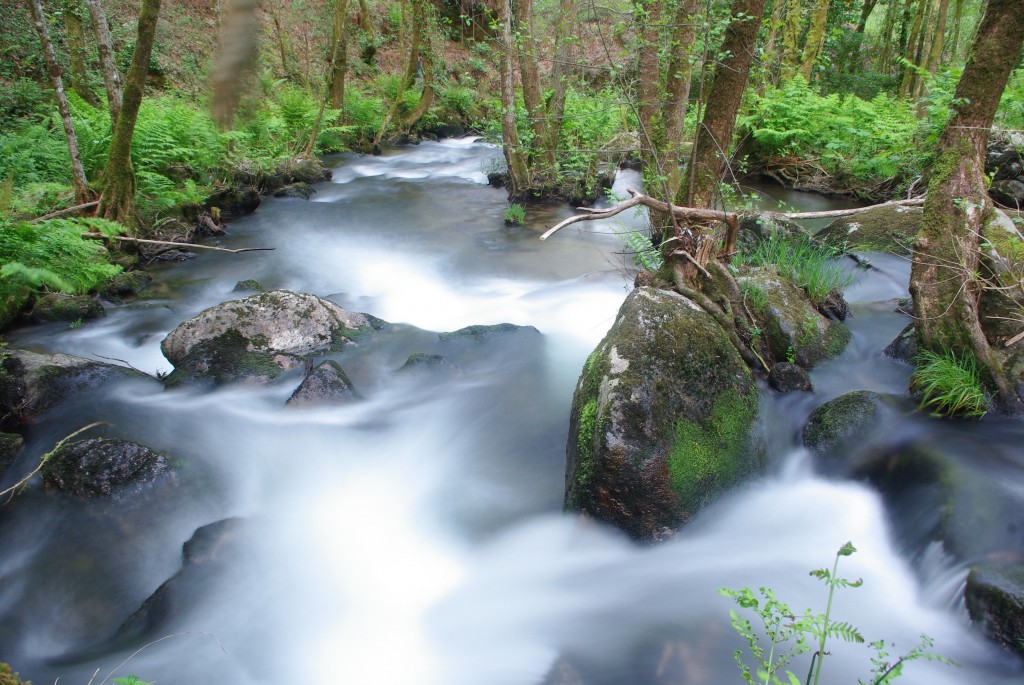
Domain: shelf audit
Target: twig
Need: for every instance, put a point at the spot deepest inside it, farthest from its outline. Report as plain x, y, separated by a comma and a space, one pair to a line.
165, 637
692, 261
1015, 339
143, 241
62, 212
46, 457
115, 359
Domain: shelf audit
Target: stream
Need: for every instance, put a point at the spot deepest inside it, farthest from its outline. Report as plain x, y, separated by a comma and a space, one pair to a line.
416, 537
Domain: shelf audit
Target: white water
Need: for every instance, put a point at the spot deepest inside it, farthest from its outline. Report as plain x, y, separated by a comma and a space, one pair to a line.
416, 538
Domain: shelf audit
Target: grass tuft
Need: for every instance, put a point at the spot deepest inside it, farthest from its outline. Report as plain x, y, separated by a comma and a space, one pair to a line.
949, 385
808, 264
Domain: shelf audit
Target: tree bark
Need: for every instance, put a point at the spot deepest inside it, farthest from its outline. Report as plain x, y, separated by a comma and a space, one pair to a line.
791, 39
77, 55
339, 58
938, 38
105, 47
529, 75
678, 78
943, 279
909, 74
714, 135
117, 201
53, 71
518, 173
815, 39
560, 73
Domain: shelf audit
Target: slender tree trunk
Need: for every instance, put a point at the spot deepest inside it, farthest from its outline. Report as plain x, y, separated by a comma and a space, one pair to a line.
364, 17
911, 52
340, 54
931, 63
561, 70
518, 173
943, 278
921, 55
958, 13
865, 14
427, 94
888, 37
791, 39
77, 55
282, 47
529, 76
714, 135
678, 78
411, 68
53, 70
815, 39
105, 47
648, 17
236, 57
117, 201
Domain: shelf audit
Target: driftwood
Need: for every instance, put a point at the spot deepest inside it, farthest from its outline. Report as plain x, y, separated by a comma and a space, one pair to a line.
693, 214
143, 241
62, 212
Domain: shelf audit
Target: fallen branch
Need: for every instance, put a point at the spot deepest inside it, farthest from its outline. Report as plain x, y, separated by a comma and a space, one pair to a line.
21, 484
62, 212
143, 241
832, 213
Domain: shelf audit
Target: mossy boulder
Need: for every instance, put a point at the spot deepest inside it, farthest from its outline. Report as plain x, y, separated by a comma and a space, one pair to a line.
125, 284
253, 339
792, 327
880, 229
249, 284
995, 600
844, 422
303, 191
786, 377
326, 383
233, 202
61, 307
101, 467
31, 382
662, 418
478, 333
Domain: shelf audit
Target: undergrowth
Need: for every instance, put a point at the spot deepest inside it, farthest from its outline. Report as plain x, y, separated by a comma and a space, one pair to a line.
949, 384
808, 264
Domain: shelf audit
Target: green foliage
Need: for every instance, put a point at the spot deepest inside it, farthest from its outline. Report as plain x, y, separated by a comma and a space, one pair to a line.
789, 635
949, 384
53, 254
1010, 114
645, 255
808, 264
515, 215
130, 680
754, 296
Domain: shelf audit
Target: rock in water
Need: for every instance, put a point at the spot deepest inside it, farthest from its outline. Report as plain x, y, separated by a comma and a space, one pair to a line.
101, 467
662, 418
327, 383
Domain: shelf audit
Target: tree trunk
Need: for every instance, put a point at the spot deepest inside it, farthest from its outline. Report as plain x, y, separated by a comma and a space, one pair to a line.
790, 39
53, 70
409, 78
529, 76
648, 17
111, 79
943, 278
77, 56
888, 29
282, 47
339, 58
815, 39
865, 13
117, 202
911, 51
680, 73
714, 135
958, 14
938, 39
518, 173
560, 72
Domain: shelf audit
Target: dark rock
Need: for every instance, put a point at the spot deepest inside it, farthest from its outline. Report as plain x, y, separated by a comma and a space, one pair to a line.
422, 360
253, 339
208, 558
478, 332
232, 203
755, 228
786, 377
563, 672
662, 418
101, 467
1009, 193
300, 190
881, 229
904, 347
303, 170
792, 326
327, 383
496, 179
1002, 160
60, 307
834, 306
995, 600
249, 284
10, 445
125, 284
403, 139
904, 305
449, 131
841, 422
31, 382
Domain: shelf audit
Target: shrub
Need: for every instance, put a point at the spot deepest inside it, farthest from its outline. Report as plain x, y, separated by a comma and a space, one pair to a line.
515, 215
949, 384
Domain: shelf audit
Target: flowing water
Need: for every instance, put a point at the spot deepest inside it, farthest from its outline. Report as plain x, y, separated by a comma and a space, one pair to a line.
416, 537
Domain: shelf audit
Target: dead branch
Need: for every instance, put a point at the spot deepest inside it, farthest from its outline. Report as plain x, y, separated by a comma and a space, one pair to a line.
143, 241
832, 213
62, 212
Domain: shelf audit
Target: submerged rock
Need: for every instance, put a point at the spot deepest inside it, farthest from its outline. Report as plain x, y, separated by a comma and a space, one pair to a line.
101, 467
327, 383
786, 377
60, 307
477, 333
300, 190
253, 339
846, 420
31, 382
879, 229
995, 600
663, 418
904, 347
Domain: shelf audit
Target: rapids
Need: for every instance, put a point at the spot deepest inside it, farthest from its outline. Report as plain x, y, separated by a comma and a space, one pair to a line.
416, 537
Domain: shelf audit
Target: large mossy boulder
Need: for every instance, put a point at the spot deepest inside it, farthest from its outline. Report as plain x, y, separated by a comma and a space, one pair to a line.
31, 382
253, 339
792, 327
995, 600
102, 467
880, 229
61, 307
662, 418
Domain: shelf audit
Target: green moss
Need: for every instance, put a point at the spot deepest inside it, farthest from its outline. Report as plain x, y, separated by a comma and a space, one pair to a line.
585, 442
9, 677
710, 455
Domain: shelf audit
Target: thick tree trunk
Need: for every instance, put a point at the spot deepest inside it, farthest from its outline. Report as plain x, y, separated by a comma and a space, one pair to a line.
105, 47
791, 39
714, 135
53, 70
518, 173
339, 58
117, 202
77, 56
943, 279
815, 39
648, 107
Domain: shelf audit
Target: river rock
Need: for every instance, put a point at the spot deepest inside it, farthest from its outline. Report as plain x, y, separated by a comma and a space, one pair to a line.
663, 418
478, 333
249, 284
995, 600
233, 202
846, 420
253, 339
904, 347
421, 360
31, 382
786, 377
61, 307
1008, 192
327, 383
125, 284
879, 229
791, 325
300, 190
10, 445
101, 467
